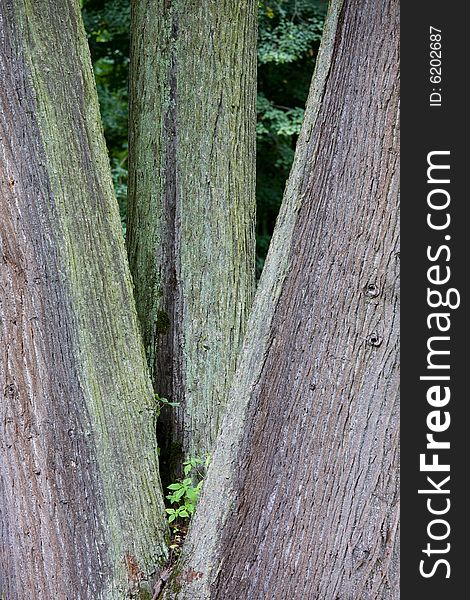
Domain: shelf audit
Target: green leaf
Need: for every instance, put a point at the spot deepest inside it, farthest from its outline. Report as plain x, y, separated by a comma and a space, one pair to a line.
192, 495
179, 494
171, 518
175, 486
184, 513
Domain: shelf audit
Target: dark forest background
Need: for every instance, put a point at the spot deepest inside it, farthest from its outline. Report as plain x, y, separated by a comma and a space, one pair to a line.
288, 40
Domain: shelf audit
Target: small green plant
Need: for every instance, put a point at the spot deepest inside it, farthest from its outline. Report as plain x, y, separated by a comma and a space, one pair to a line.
165, 401
185, 493
160, 403
156, 409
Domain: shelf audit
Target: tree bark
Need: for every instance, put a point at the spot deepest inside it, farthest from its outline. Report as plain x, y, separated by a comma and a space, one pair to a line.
192, 203
301, 499
81, 511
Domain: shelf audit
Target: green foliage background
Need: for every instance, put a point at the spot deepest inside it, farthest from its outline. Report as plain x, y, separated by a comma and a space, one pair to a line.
288, 41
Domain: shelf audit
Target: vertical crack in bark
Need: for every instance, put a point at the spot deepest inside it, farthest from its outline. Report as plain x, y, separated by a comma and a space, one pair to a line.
168, 362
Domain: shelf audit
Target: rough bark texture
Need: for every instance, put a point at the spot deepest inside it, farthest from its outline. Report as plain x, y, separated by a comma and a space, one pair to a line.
80, 497
301, 499
191, 202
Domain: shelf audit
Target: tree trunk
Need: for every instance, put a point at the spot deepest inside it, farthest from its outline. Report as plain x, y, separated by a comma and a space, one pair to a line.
301, 499
191, 202
81, 512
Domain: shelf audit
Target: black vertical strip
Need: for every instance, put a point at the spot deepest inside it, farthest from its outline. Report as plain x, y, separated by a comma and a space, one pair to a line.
434, 129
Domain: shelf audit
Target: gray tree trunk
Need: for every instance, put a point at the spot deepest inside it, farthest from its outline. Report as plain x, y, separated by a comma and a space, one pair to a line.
81, 511
301, 499
192, 202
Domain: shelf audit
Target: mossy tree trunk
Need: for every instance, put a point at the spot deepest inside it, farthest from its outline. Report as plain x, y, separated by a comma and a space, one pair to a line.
191, 202
301, 499
81, 511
